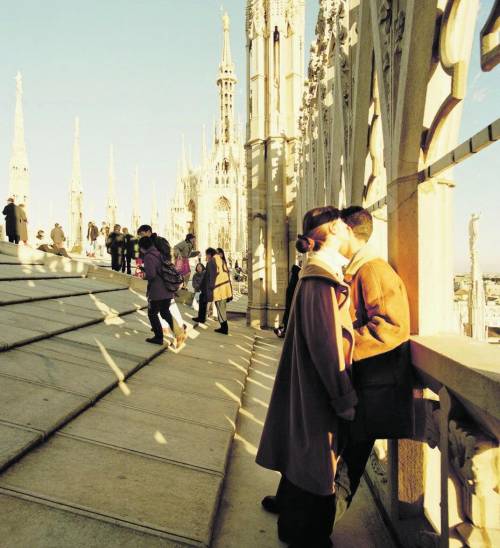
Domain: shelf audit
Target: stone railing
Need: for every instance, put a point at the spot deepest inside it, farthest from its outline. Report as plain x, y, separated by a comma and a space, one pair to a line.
442, 488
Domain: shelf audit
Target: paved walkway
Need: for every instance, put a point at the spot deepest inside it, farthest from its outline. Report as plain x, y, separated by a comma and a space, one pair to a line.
242, 523
96, 449
107, 441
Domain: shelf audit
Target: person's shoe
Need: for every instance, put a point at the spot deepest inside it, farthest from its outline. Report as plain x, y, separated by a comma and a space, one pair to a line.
279, 332
223, 329
198, 320
270, 504
155, 340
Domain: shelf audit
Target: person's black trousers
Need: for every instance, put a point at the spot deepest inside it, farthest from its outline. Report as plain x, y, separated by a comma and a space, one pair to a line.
202, 310
162, 308
14, 239
116, 261
126, 262
305, 520
351, 467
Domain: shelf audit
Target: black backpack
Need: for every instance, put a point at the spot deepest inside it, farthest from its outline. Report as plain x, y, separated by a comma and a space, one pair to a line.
171, 278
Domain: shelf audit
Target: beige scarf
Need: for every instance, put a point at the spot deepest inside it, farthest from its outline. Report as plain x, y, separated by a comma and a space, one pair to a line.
363, 256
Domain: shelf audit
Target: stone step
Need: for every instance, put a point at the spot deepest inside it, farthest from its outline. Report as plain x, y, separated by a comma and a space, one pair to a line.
22, 324
6, 259
145, 465
45, 384
21, 291
35, 272
51, 525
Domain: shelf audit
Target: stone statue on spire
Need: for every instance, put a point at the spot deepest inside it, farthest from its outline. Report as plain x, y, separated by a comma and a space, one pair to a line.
225, 22
477, 301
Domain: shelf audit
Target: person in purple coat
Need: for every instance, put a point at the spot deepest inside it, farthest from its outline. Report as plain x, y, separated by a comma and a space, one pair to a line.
159, 297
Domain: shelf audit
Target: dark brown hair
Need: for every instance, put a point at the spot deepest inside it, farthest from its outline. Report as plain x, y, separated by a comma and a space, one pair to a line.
360, 221
315, 233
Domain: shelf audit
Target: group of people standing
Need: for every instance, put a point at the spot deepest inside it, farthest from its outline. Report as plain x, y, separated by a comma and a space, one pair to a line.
16, 222
344, 377
213, 283
122, 247
167, 273
16, 228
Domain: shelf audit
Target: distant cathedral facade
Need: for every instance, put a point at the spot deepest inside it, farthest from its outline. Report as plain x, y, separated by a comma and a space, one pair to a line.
210, 200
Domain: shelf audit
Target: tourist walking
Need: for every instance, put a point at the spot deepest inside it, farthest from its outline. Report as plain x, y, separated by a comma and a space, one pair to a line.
58, 237
184, 251
381, 369
11, 221
163, 246
23, 224
129, 251
159, 296
92, 235
115, 246
219, 289
313, 393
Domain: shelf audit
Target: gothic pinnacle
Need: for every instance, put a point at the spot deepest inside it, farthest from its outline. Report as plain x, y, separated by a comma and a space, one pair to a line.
19, 168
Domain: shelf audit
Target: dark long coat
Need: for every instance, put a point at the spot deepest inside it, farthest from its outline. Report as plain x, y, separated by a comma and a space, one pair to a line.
381, 371
312, 391
11, 213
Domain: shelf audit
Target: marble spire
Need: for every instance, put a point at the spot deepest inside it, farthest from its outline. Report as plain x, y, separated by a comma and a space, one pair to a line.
184, 167
204, 153
76, 196
136, 218
19, 168
226, 82
111, 209
155, 218
477, 301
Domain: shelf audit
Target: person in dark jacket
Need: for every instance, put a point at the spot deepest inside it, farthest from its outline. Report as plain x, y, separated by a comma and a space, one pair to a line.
290, 290
115, 245
11, 213
197, 281
200, 284
128, 250
159, 297
163, 246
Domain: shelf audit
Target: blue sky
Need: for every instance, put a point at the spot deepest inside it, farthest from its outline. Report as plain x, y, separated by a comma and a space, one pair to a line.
139, 74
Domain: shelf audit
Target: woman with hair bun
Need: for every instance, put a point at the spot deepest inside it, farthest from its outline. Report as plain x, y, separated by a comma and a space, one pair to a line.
312, 392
